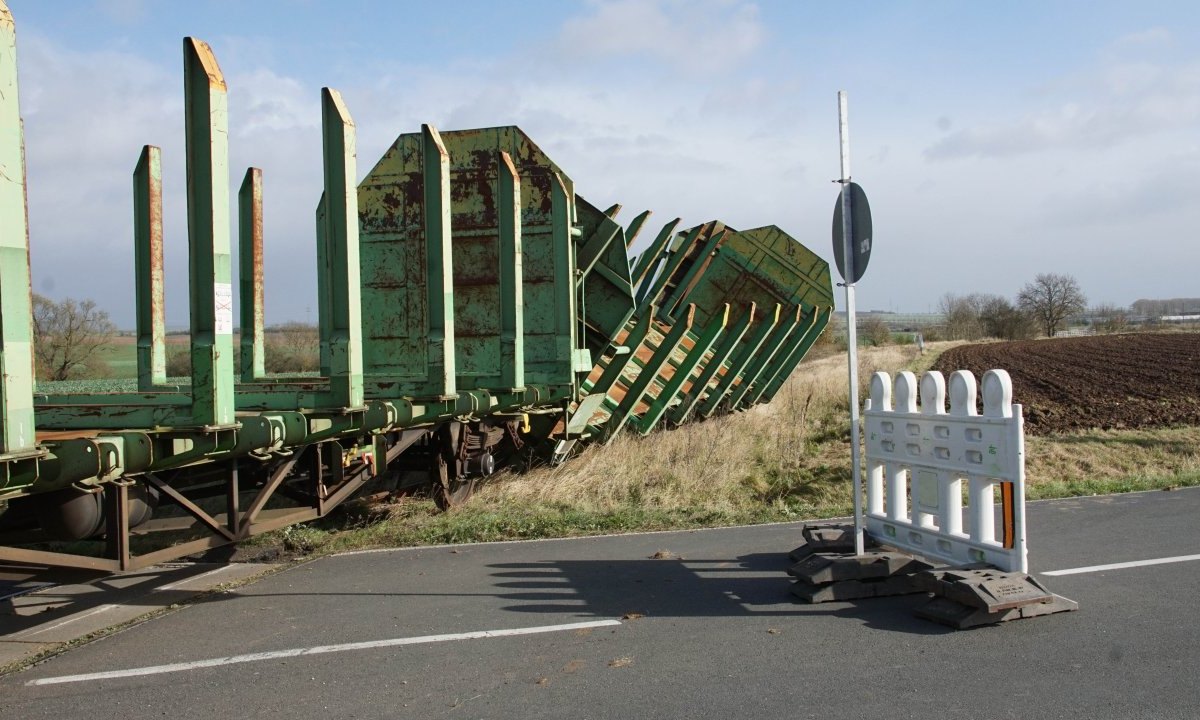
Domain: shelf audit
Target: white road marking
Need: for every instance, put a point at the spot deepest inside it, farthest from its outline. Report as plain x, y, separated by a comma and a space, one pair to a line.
39, 630
319, 650
1123, 565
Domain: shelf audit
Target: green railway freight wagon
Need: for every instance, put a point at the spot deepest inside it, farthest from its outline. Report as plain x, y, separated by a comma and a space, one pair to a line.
471, 306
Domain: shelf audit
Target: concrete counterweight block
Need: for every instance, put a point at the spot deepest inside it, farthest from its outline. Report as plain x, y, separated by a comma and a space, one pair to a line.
969, 597
828, 577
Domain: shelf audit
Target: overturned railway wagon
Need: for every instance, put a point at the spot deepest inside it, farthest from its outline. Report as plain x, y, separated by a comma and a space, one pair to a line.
472, 307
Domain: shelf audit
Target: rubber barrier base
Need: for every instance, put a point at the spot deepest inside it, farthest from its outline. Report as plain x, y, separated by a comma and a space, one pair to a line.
827, 539
829, 577
970, 597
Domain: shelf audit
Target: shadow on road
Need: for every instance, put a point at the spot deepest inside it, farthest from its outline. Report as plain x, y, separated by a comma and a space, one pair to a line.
749, 585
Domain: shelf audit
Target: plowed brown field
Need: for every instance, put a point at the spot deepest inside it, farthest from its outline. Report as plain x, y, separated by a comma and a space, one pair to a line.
1108, 381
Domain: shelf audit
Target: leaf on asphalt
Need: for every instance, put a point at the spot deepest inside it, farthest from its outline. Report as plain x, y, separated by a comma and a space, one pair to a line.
633, 616
772, 631
665, 555
620, 662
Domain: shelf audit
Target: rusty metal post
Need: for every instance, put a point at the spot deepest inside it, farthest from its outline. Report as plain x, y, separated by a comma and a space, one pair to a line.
647, 260
564, 271
341, 206
324, 300
678, 296
770, 348
512, 303
721, 352
16, 311
674, 260
748, 350
648, 374
796, 342
658, 407
798, 353
438, 263
211, 290
116, 523
250, 274
148, 269
635, 228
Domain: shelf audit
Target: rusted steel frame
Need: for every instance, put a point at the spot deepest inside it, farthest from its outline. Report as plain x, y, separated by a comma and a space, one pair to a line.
55, 559
233, 494
802, 332
324, 289
18, 436
176, 551
562, 227
512, 298
649, 373
148, 270
717, 234
299, 516
191, 507
674, 260
278, 475
251, 275
650, 258
341, 216
211, 290
658, 407
116, 523
797, 355
765, 354
347, 487
729, 342
740, 360
635, 228
438, 263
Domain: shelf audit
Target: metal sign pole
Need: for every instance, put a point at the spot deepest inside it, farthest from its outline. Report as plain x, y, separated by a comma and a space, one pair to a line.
851, 330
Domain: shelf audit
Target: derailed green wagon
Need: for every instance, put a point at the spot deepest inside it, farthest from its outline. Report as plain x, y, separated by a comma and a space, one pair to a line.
471, 307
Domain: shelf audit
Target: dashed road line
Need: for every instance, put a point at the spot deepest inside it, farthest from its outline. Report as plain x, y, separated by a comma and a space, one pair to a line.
1123, 565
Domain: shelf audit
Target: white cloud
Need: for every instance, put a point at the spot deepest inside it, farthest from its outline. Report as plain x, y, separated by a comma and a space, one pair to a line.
694, 35
1119, 102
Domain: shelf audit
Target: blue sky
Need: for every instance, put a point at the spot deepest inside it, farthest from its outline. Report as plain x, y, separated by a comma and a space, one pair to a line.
995, 140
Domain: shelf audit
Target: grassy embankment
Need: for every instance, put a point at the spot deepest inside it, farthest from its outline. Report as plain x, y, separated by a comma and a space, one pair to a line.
788, 460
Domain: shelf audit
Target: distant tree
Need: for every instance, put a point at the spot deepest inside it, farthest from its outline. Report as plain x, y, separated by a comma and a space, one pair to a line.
292, 347
962, 316
1109, 318
67, 335
875, 331
1052, 298
1002, 319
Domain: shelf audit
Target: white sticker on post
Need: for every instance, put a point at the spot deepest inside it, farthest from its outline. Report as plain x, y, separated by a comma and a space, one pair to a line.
222, 308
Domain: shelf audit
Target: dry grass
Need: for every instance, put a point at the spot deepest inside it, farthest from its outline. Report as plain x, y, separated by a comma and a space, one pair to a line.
1108, 457
787, 458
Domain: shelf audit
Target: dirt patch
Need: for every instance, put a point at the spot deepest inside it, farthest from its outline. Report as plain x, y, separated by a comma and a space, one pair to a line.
1107, 382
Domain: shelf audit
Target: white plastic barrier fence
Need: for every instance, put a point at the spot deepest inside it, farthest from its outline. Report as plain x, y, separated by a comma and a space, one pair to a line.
919, 458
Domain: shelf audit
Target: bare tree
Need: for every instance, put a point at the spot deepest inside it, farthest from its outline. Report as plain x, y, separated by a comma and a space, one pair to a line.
1051, 299
292, 347
1002, 319
67, 335
1110, 318
962, 316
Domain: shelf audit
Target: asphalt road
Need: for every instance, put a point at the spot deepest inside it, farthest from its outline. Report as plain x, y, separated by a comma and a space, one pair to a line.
711, 632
